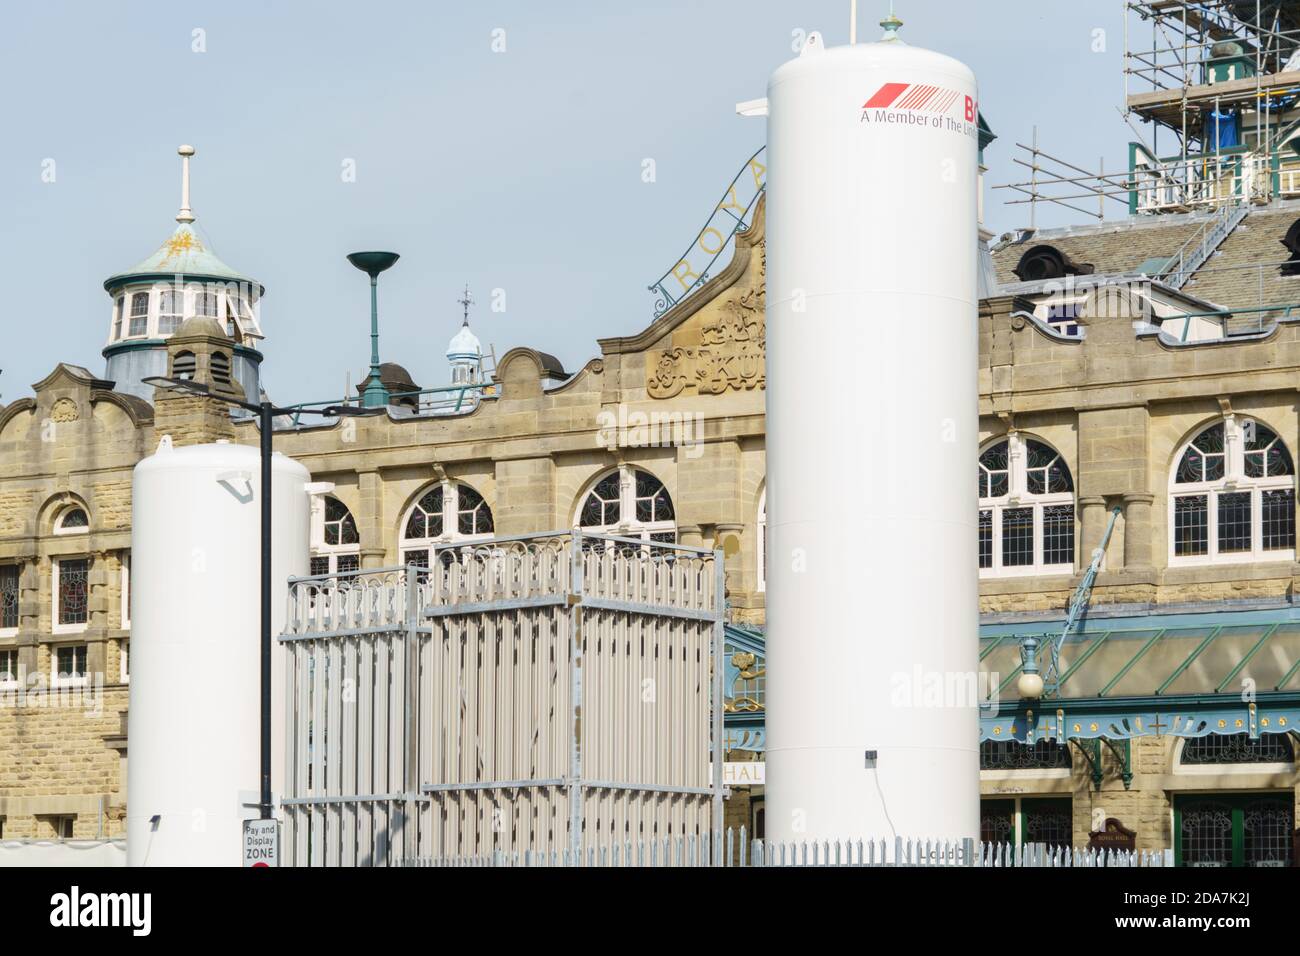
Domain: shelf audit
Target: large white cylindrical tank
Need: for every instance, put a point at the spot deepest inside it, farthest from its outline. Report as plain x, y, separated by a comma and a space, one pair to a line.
194, 714
872, 590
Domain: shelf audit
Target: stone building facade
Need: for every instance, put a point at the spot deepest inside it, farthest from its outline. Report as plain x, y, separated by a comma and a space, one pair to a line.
1097, 381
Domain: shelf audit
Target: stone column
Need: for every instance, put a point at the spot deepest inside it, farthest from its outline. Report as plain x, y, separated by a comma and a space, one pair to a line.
728, 541
97, 591
690, 534
370, 521
1092, 522
29, 604
1137, 531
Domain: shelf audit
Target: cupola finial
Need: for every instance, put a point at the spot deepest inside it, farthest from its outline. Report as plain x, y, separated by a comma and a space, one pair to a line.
186, 214
465, 301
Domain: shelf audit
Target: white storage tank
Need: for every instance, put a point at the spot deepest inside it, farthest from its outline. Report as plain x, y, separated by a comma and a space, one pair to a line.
872, 590
194, 716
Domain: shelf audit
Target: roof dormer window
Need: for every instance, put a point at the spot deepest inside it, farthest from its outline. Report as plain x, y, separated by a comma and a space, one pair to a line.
1064, 318
1044, 262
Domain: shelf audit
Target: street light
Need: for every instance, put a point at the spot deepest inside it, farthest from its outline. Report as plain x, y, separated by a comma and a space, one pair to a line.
373, 263
266, 413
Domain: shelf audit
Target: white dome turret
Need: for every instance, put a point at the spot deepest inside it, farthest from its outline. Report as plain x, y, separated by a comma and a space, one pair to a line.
465, 352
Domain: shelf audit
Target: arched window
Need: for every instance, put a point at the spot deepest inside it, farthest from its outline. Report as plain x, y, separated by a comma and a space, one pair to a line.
448, 513
335, 544
630, 503
762, 541
1232, 496
1026, 509
73, 520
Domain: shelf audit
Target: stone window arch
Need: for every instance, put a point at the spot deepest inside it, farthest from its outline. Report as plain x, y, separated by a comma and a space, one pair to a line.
445, 514
1232, 495
335, 543
628, 502
1026, 508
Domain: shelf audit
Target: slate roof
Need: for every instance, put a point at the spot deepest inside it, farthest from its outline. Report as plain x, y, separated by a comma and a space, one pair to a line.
1243, 273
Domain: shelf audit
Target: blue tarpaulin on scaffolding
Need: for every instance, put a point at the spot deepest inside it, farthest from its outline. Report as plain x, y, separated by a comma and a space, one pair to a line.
1225, 129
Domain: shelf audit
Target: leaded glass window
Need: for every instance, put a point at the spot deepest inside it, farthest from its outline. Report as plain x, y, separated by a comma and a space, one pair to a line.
1238, 748
1265, 453
997, 821
72, 604
629, 502
426, 516
1205, 457
447, 514
1047, 821
1191, 525
1267, 834
602, 505
1232, 495
73, 520
335, 544
1017, 537
1234, 522
340, 528
995, 471
1243, 829
8, 596
1277, 518
1026, 508
1206, 834
1018, 755
473, 516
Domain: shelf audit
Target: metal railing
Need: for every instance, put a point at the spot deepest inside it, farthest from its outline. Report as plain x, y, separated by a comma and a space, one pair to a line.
733, 848
1201, 244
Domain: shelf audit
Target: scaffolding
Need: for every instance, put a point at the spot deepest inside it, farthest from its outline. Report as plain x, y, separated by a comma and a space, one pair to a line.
1221, 79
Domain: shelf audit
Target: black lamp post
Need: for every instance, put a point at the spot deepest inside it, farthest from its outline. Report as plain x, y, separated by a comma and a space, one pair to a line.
266, 413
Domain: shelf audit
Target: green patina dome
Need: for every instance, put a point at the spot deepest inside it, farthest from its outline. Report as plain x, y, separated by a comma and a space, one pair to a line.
184, 253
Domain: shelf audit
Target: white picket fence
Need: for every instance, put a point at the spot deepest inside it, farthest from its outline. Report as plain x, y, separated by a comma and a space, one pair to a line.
734, 849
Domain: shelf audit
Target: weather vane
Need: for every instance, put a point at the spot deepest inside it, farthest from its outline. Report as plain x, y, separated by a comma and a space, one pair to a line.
466, 301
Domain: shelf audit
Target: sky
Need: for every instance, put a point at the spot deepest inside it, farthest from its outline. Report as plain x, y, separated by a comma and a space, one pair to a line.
499, 144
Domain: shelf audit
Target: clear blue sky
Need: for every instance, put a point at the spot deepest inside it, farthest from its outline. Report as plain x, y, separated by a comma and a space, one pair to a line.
518, 170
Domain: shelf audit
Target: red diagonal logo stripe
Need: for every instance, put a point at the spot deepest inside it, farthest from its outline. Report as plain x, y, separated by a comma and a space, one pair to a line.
906, 102
929, 95
944, 102
884, 96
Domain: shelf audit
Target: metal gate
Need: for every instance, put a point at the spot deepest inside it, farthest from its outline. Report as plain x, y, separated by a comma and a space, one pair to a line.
532, 694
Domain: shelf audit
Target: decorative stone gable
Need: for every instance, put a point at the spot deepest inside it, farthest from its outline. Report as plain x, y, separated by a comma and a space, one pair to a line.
726, 349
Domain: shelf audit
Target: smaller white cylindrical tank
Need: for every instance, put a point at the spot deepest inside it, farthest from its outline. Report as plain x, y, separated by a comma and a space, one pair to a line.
194, 716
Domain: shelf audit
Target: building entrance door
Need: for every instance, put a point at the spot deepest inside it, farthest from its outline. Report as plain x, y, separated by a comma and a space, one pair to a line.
1238, 829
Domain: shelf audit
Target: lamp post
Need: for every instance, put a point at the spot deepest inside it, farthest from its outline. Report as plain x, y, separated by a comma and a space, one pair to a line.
373, 263
266, 413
